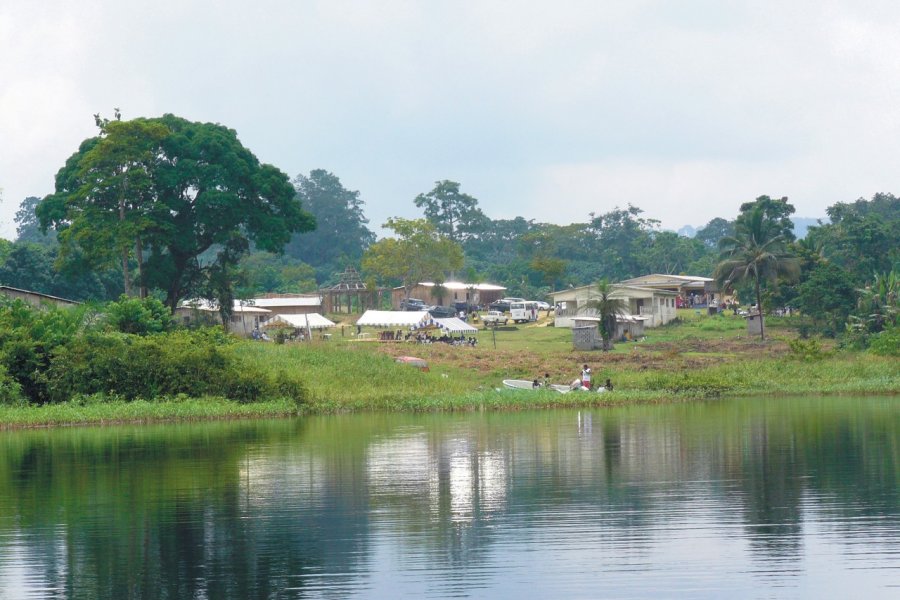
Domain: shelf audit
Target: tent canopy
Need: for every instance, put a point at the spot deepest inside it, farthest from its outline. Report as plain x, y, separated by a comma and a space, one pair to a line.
395, 318
455, 325
315, 320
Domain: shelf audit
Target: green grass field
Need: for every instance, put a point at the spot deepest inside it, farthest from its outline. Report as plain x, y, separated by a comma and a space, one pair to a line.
697, 357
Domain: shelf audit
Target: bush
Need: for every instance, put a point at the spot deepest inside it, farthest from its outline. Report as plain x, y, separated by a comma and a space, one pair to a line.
155, 366
808, 350
886, 343
694, 385
29, 336
139, 316
10, 390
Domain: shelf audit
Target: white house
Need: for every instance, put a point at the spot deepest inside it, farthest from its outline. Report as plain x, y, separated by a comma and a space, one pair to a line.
244, 318
703, 289
655, 305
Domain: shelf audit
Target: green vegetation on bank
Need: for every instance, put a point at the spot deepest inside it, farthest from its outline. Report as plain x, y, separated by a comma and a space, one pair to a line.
84, 370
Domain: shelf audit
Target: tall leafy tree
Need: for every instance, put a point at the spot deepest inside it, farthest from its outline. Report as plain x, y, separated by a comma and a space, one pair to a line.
104, 194
607, 309
618, 238
827, 296
715, 230
756, 253
28, 226
670, 253
171, 190
777, 212
341, 234
417, 253
863, 236
30, 266
267, 272
453, 213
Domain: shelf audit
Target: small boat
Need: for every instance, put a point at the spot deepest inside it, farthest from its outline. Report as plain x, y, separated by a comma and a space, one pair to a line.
524, 384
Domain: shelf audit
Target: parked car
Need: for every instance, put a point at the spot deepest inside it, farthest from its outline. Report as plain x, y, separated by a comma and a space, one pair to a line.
465, 307
542, 305
499, 305
442, 312
494, 317
413, 304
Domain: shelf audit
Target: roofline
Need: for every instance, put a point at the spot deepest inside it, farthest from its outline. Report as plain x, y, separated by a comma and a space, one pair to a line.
41, 294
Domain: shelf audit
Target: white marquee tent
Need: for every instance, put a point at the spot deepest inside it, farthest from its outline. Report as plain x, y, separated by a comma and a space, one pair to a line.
395, 318
314, 320
455, 325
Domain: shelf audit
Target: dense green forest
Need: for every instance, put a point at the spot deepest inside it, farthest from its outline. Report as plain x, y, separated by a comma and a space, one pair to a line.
858, 246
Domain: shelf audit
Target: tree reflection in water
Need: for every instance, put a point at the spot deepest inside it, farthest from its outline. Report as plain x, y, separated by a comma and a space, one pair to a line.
725, 494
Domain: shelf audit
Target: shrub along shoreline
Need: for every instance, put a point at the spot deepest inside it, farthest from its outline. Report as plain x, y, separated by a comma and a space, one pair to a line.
62, 368
343, 379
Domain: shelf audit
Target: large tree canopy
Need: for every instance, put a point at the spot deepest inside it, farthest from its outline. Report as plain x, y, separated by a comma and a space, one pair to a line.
454, 214
418, 253
341, 235
170, 190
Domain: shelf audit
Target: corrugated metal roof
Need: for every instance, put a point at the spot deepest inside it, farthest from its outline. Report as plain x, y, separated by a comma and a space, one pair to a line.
283, 302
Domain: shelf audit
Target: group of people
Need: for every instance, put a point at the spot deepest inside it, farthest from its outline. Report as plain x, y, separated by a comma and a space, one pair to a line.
426, 338
582, 383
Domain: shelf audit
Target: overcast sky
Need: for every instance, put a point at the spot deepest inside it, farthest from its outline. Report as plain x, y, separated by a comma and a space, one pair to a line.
547, 110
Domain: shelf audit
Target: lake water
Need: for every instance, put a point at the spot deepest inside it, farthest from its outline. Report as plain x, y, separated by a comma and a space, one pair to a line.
787, 498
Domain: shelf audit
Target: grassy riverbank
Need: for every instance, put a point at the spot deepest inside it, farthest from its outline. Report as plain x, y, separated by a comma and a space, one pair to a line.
698, 358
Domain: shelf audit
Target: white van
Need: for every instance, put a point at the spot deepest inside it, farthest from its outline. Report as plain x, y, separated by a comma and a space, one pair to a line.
523, 312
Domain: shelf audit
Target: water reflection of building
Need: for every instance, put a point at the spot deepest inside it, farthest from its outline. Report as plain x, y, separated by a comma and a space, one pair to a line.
451, 476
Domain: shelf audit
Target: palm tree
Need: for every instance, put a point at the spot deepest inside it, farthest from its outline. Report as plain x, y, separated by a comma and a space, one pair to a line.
606, 308
756, 252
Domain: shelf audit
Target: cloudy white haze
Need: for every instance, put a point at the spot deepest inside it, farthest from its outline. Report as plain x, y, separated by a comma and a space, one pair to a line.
548, 110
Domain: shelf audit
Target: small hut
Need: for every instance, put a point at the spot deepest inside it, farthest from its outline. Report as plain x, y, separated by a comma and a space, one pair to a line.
754, 323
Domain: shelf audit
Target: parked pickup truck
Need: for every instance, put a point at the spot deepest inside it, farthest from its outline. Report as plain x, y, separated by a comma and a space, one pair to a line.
494, 317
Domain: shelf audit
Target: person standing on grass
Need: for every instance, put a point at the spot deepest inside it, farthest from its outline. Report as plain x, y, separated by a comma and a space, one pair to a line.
586, 377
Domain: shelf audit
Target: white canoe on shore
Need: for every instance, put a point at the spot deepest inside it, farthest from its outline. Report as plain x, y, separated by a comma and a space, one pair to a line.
524, 384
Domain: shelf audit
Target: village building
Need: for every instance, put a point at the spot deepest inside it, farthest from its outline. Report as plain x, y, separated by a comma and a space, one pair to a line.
656, 307
288, 304
450, 293
35, 299
692, 290
245, 318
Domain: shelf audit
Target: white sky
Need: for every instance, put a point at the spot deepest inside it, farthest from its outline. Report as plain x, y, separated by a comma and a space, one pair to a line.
548, 110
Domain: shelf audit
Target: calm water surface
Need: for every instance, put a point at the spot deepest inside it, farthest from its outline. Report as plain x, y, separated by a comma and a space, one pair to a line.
788, 498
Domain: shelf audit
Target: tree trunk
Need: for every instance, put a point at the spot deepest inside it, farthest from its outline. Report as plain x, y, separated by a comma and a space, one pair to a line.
759, 310
139, 256
125, 277
125, 248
